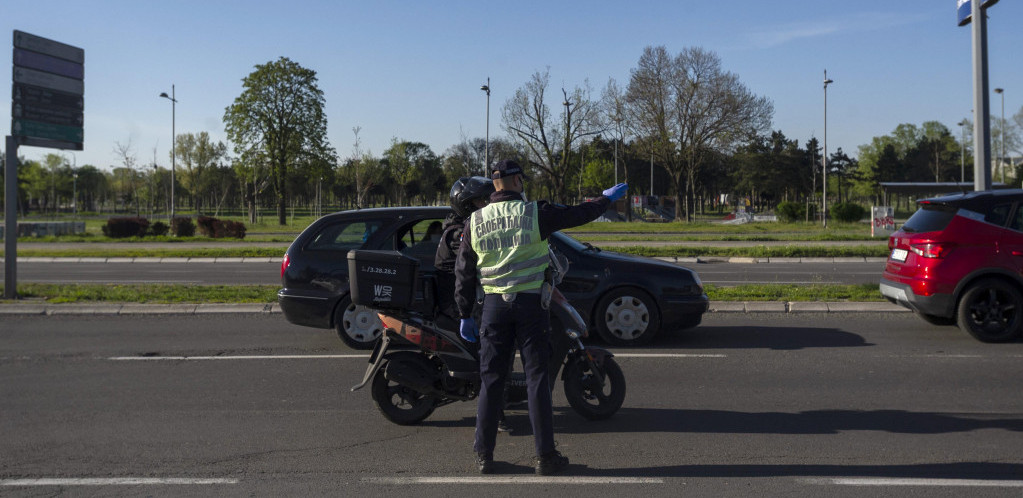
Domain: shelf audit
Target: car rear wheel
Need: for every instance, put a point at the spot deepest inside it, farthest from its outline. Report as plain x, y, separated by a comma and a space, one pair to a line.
991, 311
358, 326
627, 317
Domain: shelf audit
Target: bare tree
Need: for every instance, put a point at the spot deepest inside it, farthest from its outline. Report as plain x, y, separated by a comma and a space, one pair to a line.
686, 108
616, 118
549, 140
129, 161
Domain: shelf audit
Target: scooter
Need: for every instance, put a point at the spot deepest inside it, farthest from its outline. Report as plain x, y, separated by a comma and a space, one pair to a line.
422, 363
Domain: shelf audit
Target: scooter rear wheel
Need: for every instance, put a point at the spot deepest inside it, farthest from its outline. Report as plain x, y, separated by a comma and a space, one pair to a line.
585, 394
400, 404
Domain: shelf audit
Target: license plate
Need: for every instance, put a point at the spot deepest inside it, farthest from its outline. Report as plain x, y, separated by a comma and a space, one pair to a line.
899, 255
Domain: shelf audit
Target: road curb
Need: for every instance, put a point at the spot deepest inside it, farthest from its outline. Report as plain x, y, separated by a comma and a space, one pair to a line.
274, 309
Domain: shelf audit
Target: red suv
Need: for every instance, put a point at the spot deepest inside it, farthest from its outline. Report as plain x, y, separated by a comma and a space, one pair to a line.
959, 260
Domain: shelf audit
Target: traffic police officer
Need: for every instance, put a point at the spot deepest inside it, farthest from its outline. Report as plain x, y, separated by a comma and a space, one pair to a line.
505, 249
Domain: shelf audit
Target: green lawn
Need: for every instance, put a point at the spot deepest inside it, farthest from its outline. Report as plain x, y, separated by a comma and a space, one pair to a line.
172, 293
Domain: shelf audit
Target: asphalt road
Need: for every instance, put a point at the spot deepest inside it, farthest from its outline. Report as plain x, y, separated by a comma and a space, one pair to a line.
206, 273
745, 404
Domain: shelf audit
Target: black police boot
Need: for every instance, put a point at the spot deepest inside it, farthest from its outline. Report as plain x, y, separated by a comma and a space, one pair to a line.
485, 464
550, 463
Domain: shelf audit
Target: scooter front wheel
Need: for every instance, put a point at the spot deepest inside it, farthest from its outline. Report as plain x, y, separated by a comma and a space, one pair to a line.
400, 404
587, 396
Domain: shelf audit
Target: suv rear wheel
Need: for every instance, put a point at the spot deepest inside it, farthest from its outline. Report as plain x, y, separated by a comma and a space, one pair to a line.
991, 310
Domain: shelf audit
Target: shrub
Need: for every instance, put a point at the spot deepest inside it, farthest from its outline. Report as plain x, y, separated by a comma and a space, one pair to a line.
182, 227
215, 228
790, 211
159, 228
848, 212
126, 227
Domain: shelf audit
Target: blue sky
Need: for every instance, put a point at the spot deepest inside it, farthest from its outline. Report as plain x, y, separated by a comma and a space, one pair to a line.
412, 69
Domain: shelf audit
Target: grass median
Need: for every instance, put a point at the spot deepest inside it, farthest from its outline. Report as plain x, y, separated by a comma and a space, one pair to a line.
178, 293
795, 250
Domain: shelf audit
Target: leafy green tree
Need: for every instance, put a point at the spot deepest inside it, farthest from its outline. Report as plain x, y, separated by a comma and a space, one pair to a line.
279, 116
199, 156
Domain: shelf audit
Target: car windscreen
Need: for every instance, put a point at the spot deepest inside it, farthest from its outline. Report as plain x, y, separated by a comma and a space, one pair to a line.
930, 218
569, 241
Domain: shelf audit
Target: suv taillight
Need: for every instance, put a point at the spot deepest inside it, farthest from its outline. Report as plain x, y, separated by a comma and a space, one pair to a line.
285, 263
936, 250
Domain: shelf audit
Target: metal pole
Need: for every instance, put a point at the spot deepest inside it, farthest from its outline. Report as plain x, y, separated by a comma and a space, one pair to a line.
962, 150
174, 148
11, 219
486, 153
982, 125
824, 203
1001, 135
616, 162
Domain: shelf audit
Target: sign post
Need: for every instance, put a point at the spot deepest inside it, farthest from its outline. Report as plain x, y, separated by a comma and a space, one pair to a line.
973, 12
47, 110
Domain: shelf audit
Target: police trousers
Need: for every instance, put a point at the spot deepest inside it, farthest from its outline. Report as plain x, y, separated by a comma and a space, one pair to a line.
503, 324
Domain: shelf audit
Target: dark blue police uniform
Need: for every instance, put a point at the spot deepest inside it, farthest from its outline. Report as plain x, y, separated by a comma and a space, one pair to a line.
507, 320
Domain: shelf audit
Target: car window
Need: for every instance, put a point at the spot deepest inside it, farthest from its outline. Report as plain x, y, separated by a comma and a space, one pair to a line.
1016, 222
998, 214
420, 240
929, 218
344, 236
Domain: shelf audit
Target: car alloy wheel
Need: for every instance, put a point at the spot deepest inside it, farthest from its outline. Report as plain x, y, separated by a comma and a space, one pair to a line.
991, 310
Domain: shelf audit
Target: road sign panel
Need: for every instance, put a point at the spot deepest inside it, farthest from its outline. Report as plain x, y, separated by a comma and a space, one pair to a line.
25, 128
32, 95
50, 64
64, 116
48, 47
47, 80
53, 144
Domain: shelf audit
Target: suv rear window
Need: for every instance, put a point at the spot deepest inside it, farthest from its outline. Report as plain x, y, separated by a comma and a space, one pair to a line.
930, 218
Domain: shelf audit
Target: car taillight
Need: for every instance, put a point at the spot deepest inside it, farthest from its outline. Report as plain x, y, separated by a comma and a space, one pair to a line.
891, 243
936, 250
285, 263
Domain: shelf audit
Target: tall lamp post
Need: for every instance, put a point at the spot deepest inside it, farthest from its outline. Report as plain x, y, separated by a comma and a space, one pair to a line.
962, 149
1001, 135
174, 103
74, 184
824, 207
486, 154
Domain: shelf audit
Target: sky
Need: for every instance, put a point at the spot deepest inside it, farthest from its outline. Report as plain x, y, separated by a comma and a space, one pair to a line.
412, 70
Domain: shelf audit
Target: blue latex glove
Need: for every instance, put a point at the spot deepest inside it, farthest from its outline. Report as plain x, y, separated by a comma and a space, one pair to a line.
467, 329
616, 192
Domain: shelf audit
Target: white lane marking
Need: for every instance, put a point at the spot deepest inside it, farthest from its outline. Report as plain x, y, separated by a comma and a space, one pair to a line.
241, 357
113, 481
362, 356
512, 480
906, 481
668, 355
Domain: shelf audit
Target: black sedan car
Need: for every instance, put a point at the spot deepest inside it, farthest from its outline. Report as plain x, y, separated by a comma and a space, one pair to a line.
626, 299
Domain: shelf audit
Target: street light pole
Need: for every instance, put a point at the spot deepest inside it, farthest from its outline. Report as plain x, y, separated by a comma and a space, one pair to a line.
486, 154
824, 207
174, 103
1001, 135
962, 149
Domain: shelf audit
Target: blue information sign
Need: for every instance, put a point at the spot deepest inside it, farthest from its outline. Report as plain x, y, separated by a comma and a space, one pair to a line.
964, 10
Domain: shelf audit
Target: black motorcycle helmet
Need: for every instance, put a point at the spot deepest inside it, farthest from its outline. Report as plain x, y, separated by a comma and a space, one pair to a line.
467, 189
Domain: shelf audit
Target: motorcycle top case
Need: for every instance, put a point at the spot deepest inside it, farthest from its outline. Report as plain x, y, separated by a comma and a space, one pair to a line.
382, 279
